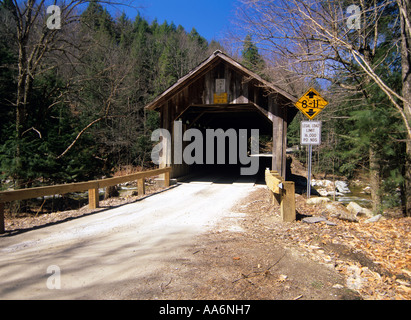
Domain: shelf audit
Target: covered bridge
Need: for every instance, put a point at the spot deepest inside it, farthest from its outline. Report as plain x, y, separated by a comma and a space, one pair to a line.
222, 93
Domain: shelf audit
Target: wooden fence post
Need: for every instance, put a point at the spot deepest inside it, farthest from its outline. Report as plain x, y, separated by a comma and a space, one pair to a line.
141, 187
2, 230
288, 202
167, 179
93, 198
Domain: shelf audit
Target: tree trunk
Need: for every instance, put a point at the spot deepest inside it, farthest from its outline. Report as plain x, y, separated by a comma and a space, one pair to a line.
21, 102
405, 18
111, 192
407, 184
20, 123
375, 182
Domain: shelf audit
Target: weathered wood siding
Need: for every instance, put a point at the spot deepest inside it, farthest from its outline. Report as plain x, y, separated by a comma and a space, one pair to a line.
242, 89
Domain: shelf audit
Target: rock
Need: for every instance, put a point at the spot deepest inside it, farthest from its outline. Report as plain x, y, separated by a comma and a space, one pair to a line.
367, 190
129, 193
373, 219
339, 211
327, 193
323, 192
331, 193
321, 183
367, 212
356, 209
342, 186
317, 200
313, 219
334, 208
338, 286
348, 216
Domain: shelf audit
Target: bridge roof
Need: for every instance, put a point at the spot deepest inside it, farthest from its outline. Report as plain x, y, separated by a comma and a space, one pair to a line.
206, 66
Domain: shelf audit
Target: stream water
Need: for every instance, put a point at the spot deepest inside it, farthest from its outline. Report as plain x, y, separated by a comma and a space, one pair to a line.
356, 195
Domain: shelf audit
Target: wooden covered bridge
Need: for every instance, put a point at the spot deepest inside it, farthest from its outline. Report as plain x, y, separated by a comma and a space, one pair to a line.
219, 94
222, 93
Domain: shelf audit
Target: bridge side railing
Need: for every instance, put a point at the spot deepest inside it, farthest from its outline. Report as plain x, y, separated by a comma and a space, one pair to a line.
283, 193
91, 186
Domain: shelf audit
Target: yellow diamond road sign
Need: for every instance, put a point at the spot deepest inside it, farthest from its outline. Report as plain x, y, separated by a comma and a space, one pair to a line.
311, 103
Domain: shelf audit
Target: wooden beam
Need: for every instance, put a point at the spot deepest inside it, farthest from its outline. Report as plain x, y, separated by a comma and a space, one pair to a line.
195, 120
273, 180
23, 194
181, 113
91, 186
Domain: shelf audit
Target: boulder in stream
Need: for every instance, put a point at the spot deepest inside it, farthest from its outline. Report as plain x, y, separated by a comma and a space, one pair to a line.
342, 186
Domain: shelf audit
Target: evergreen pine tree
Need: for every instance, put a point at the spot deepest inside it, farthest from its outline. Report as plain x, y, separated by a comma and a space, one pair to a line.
251, 57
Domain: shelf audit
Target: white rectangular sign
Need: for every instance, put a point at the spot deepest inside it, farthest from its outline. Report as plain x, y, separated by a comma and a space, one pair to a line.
310, 133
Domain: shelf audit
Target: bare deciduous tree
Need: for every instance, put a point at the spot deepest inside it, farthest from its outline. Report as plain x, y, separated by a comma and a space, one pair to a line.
320, 39
45, 37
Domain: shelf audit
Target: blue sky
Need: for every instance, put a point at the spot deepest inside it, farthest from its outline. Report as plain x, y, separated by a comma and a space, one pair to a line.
210, 17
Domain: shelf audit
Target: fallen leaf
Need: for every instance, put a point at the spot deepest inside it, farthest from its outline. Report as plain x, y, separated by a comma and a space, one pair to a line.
282, 278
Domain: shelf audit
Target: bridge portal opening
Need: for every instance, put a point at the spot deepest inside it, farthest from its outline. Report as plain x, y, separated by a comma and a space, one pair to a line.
224, 97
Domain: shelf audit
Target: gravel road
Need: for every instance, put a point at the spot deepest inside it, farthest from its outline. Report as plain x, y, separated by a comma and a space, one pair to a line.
100, 255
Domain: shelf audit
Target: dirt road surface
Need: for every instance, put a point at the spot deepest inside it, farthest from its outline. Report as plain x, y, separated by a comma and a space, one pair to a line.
189, 242
97, 254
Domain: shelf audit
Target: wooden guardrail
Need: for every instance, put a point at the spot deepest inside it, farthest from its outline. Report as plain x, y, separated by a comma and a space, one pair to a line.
283, 193
91, 186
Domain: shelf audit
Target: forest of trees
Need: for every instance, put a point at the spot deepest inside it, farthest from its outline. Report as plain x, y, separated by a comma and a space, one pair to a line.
72, 100
358, 55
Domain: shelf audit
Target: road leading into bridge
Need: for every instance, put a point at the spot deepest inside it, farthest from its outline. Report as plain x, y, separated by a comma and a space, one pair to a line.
100, 255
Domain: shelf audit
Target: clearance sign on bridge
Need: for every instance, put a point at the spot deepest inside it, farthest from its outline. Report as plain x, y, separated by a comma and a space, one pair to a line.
311, 104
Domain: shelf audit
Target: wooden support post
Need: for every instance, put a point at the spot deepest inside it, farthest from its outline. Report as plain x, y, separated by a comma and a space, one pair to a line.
93, 198
141, 187
167, 179
288, 202
278, 116
2, 229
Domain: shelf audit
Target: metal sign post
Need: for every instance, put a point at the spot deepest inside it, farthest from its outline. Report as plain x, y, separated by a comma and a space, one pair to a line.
310, 135
310, 156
